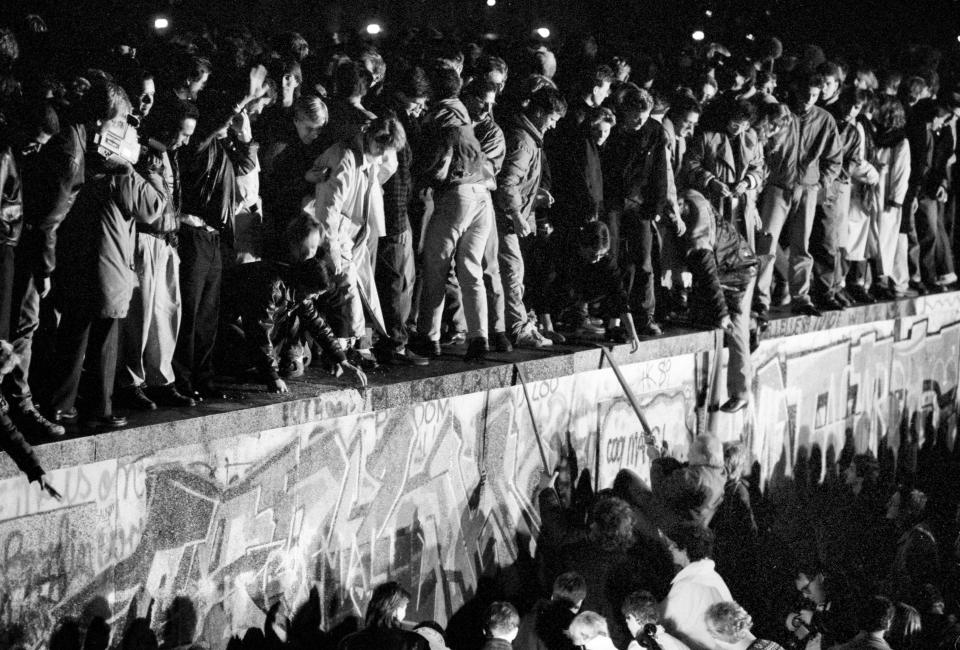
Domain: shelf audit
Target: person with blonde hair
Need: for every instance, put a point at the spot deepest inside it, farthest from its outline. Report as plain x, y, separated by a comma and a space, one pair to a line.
589, 630
729, 624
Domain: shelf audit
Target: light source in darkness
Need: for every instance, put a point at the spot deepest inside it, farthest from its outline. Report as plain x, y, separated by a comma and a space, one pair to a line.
160, 23
698, 35
708, 13
491, 3
543, 32
750, 37
374, 28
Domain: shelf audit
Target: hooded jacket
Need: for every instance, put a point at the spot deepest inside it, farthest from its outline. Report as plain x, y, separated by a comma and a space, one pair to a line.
519, 178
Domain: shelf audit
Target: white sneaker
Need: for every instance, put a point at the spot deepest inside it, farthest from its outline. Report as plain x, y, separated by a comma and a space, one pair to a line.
530, 338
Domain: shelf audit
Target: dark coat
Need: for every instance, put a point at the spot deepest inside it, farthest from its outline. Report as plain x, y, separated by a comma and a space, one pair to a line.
97, 242
11, 199
379, 638
694, 492
543, 627
520, 176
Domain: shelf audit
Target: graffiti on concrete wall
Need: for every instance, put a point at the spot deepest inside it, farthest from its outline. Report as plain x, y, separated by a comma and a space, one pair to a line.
436, 495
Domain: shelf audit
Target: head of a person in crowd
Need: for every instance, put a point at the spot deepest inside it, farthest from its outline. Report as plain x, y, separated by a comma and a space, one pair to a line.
934, 112
495, 70
685, 114
445, 83
501, 621
811, 582
9, 49
930, 600
106, 109
595, 85
739, 115
640, 610
621, 69
593, 241
309, 117
387, 606
193, 74
383, 134
689, 542
875, 615
290, 45
373, 61
705, 88
412, 91
774, 121
545, 62
351, 82
433, 632
600, 122
589, 630
172, 123
905, 628
634, 106
863, 471
913, 89
735, 459
449, 54
805, 93
728, 624
706, 451
38, 123
141, 89
865, 79
766, 83
891, 83
288, 75
744, 76
479, 97
890, 115
907, 507
661, 104
309, 272
569, 590
612, 524
850, 104
833, 79
546, 107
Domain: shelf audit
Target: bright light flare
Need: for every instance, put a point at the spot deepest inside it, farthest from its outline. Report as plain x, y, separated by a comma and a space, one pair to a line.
491, 3
374, 28
161, 23
708, 13
698, 35
543, 32
750, 37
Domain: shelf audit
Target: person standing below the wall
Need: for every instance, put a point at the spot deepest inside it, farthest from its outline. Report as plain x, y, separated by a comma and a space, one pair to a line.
382, 624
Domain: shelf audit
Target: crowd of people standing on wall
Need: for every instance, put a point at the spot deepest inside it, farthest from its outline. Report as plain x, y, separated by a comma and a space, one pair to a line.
224, 204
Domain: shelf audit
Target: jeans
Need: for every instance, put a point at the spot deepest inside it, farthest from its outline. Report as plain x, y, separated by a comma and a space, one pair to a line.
794, 209
25, 321
149, 332
458, 231
493, 283
85, 341
826, 239
935, 259
394, 275
201, 275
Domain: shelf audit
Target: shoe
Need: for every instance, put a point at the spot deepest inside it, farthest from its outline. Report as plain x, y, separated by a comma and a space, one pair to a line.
363, 359
556, 337
103, 423
134, 397
649, 328
476, 350
617, 334
936, 288
209, 391
829, 303
401, 357
169, 396
805, 309
292, 369
860, 295
425, 347
844, 298
31, 422
882, 292
68, 416
501, 343
733, 405
529, 337
919, 287
453, 337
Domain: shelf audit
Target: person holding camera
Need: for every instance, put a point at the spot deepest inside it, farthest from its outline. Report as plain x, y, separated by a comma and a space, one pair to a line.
94, 278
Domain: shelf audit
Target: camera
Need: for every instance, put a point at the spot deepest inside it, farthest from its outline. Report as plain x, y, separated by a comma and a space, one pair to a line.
119, 140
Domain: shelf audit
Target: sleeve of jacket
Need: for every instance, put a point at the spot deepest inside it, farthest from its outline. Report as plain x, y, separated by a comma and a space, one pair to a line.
243, 155
332, 193
754, 167
831, 156
432, 159
900, 174
516, 165
697, 174
321, 331
67, 170
11, 190
13, 442
141, 197
258, 319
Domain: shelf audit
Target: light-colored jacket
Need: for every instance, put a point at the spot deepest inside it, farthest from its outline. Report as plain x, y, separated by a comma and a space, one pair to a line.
692, 592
